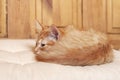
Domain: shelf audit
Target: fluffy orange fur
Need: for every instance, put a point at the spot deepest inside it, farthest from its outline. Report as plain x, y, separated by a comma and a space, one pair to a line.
74, 47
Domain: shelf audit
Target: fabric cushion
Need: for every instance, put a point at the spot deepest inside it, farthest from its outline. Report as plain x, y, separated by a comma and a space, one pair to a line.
17, 62
10, 45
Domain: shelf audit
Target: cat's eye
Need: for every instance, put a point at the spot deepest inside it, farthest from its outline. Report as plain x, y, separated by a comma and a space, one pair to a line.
42, 45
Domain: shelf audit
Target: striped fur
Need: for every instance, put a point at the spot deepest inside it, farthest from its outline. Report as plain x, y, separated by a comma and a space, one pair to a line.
74, 47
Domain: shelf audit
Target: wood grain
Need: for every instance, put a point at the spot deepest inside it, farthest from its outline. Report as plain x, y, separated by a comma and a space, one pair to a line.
47, 12
59, 12
113, 25
56, 12
79, 14
32, 19
115, 40
18, 19
116, 13
66, 12
63, 12
3, 18
94, 14
38, 10
75, 13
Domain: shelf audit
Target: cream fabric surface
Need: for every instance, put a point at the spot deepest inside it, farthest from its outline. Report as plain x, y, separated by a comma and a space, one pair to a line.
17, 62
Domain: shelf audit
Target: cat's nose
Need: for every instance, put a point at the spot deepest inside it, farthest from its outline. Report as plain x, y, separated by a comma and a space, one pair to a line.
36, 49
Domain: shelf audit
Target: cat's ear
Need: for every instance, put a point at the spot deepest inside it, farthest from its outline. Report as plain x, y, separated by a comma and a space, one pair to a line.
54, 32
39, 27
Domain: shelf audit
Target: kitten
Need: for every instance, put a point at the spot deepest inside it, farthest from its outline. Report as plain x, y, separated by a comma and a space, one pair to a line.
69, 46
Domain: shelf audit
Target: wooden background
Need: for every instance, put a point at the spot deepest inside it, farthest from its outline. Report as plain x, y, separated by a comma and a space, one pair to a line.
2, 18
17, 20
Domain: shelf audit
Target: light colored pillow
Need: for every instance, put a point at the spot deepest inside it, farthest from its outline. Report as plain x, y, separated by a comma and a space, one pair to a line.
17, 62
23, 57
11, 45
17, 51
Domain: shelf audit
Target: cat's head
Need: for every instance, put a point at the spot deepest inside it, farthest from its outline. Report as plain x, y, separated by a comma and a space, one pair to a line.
47, 38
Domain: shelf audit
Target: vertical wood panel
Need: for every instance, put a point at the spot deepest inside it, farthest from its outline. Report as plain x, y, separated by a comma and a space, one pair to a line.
59, 12
2, 18
111, 17
56, 12
80, 14
75, 12
18, 19
47, 12
94, 14
63, 12
66, 12
39, 10
32, 18
116, 13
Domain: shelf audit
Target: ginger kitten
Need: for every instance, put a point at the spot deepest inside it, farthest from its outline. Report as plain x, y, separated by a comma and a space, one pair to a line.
69, 46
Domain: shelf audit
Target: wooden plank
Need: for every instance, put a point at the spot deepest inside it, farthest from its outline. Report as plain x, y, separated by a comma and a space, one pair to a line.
66, 12
47, 12
94, 14
115, 40
56, 12
110, 15
63, 12
18, 19
3, 18
115, 44
114, 37
33, 18
75, 13
59, 12
39, 10
116, 13
80, 14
